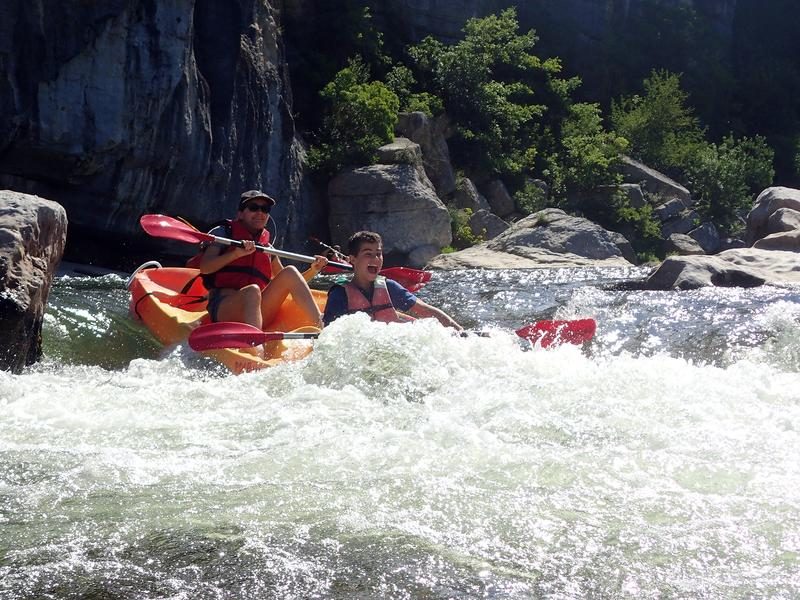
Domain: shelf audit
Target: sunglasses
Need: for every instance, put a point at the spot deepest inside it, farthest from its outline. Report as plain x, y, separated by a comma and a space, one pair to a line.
265, 208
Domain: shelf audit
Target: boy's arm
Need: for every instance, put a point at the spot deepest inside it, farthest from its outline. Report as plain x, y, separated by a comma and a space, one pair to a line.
424, 310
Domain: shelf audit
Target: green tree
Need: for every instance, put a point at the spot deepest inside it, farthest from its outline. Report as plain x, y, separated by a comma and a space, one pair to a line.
361, 118
401, 81
659, 125
726, 176
589, 153
502, 99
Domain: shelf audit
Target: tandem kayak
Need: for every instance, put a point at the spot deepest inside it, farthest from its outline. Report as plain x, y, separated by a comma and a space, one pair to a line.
171, 302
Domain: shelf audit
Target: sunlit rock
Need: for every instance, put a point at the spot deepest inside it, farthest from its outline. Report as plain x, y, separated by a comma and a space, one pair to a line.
33, 232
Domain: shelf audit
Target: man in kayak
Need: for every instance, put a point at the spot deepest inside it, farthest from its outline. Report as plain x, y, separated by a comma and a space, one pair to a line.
249, 286
384, 299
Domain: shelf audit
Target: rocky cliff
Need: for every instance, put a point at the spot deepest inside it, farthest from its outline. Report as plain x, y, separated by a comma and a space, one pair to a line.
122, 107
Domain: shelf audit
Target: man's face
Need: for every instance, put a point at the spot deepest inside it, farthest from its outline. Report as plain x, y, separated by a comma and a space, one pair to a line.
368, 262
255, 214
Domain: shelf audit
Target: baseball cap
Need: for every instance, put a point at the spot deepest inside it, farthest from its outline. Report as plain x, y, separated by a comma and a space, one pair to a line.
252, 195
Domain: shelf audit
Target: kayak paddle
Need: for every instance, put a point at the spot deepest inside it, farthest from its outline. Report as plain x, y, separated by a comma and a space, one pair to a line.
167, 227
547, 333
229, 334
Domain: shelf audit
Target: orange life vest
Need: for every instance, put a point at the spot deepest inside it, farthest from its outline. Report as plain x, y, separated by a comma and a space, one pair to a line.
253, 268
381, 307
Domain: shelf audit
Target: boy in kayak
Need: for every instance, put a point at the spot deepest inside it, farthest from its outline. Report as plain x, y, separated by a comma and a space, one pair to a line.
384, 299
249, 286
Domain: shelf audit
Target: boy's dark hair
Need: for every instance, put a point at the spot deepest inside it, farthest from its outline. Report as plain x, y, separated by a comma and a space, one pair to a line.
360, 238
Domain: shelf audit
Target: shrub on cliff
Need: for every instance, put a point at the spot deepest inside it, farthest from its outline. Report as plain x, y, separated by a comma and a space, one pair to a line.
587, 153
660, 126
360, 119
503, 100
726, 176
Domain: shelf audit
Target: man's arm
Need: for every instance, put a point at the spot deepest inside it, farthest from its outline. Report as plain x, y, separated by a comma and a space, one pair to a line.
214, 258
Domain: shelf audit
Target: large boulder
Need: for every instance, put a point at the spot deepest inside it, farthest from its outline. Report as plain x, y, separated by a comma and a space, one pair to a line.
767, 203
467, 196
33, 232
746, 267
486, 224
499, 199
548, 238
395, 202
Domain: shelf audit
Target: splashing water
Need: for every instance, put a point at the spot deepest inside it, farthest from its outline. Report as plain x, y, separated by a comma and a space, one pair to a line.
403, 461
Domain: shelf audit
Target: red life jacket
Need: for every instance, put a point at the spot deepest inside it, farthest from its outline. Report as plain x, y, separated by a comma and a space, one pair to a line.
381, 307
253, 268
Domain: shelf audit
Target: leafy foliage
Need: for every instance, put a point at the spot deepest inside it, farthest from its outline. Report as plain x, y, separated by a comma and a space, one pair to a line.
726, 175
463, 236
496, 92
530, 198
361, 118
588, 154
660, 126
401, 81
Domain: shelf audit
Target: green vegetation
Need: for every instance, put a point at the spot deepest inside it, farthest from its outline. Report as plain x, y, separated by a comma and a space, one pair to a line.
361, 119
659, 125
725, 177
517, 116
665, 134
463, 237
503, 100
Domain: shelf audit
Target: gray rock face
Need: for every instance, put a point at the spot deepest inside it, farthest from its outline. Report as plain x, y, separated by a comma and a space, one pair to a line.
767, 203
783, 219
468, 196
774, 257
553, 229
176, 108
430, 135
499, 199
33, 232
487, 224
707, 236
654, 183
682, 244
395, 202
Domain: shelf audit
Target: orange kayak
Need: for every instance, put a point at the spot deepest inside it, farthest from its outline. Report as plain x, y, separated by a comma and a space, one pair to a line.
171, 302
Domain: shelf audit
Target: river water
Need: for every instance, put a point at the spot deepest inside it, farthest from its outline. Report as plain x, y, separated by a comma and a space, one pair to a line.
399, 461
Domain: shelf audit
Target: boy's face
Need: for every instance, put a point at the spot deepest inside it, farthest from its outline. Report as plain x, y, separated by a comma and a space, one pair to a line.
368, 262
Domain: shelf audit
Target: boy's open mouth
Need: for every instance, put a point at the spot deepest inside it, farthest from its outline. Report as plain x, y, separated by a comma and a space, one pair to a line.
372, 269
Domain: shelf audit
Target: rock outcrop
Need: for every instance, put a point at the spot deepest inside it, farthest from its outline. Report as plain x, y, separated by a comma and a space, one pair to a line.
548, 238
33, 232
397, 203
745, 267
774, 257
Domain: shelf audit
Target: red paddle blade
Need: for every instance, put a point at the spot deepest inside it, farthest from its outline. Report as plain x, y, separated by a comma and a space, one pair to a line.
238, 335
547, 333
411, 279
167, 227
